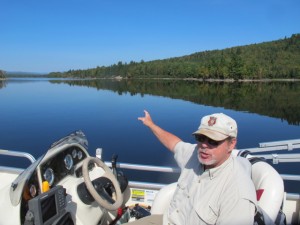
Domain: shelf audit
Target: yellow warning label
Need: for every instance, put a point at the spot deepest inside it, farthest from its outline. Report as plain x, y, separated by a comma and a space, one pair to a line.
137, 195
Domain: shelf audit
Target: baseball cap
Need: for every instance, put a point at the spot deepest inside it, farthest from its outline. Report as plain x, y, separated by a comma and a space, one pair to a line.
217, 126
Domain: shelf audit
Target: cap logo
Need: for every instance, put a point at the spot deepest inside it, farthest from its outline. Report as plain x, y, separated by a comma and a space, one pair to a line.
212, 121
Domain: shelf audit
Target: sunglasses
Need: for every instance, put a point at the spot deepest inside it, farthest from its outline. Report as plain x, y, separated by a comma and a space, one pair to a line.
211, 142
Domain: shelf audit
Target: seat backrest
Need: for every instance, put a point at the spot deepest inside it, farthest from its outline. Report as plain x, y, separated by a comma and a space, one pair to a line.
163, 199
269, 189
268, 185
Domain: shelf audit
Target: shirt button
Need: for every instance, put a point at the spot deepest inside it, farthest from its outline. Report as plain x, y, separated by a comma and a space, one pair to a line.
177, 211
199, 181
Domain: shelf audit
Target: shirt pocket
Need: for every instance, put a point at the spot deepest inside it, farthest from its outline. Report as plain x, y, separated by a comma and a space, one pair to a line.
207, 212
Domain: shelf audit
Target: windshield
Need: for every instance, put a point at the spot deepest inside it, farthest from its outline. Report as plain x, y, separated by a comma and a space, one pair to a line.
77, 136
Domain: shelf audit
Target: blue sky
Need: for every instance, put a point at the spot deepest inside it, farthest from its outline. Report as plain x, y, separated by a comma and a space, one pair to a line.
58, 35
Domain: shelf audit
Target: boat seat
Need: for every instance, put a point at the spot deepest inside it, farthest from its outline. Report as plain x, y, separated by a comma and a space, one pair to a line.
163, 199
268, 184
269, 188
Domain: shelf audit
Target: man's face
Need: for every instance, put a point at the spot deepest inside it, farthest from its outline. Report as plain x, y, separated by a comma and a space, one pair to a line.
213, 153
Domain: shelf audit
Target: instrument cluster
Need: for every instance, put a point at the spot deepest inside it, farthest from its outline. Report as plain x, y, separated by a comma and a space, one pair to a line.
61, 165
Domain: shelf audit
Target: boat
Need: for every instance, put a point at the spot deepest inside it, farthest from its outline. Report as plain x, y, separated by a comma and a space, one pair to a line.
68, 186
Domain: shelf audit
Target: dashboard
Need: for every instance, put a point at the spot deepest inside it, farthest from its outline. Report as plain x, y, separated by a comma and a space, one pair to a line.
63, 164
54, 167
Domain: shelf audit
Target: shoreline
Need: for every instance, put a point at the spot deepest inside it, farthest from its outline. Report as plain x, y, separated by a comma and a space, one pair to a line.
119, 78
213, 80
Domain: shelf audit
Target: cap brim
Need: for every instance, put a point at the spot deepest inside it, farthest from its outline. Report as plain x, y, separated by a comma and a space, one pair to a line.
217, 136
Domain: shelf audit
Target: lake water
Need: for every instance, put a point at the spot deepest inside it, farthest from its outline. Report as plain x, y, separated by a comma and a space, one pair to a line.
37, 112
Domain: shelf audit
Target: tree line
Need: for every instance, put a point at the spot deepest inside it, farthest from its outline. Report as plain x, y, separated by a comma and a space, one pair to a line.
2, 74
278, 59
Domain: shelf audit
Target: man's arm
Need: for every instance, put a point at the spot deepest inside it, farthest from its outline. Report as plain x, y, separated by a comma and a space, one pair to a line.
166, 138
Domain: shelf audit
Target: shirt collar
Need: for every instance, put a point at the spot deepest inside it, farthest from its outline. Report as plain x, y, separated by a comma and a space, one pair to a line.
214, 172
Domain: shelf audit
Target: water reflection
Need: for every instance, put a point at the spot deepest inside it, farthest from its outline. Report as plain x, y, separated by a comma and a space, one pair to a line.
274, 99
2, 83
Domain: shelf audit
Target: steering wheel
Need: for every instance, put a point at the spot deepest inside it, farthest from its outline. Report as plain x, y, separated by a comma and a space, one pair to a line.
109, 175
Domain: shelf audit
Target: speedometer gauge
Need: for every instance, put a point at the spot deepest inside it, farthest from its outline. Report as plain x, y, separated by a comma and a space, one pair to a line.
79, 155
32, 191
68, 161
49, 176
74, 153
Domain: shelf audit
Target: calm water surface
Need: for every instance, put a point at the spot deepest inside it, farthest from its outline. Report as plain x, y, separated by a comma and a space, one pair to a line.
36, 112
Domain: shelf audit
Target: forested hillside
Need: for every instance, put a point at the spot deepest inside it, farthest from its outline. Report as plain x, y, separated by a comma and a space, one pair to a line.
275, 59
2, 74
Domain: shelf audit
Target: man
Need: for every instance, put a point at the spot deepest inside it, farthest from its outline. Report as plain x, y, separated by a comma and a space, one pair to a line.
213, 187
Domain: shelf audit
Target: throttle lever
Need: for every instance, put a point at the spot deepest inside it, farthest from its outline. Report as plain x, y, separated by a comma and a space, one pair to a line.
114, 164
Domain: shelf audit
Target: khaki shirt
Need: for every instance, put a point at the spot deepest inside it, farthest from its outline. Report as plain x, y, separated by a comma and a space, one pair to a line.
222, 195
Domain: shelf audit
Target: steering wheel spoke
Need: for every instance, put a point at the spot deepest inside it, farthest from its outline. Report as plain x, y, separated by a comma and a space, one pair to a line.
104, 198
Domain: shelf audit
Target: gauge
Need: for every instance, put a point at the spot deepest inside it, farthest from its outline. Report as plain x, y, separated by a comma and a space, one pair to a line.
32, 190
49, 176
79, 155
74, 153
68, 161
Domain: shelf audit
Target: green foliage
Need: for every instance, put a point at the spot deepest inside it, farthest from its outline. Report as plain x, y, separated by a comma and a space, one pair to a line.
269, 60
2, 74
2, 78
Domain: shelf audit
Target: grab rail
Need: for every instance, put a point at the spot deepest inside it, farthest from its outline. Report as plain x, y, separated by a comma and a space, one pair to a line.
176, 170
146, 167
277, 158
290, 177
18, 154
276, 146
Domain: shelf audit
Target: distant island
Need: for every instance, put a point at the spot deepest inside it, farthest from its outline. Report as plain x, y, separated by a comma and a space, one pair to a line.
22, 74
279, 59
